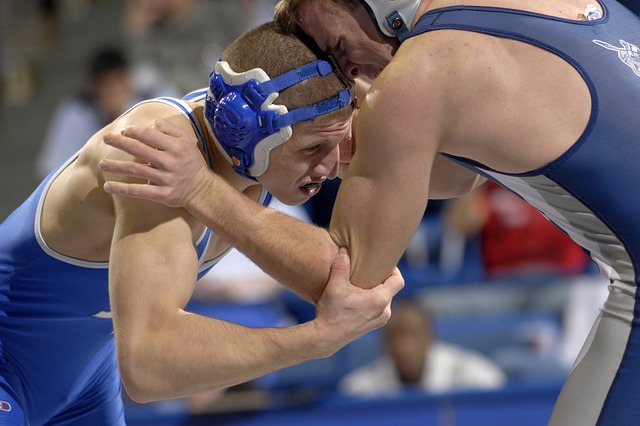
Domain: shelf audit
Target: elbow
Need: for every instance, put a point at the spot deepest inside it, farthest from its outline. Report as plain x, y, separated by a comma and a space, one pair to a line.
137, 394
136, 386
141, 382
323, 263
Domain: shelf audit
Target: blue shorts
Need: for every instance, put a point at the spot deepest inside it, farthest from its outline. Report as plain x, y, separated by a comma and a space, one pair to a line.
96, 402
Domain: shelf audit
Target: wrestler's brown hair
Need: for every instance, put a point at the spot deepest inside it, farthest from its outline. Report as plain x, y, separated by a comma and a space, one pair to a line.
276, 52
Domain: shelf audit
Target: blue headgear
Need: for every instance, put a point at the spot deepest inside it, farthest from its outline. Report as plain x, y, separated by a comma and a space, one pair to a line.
245, 122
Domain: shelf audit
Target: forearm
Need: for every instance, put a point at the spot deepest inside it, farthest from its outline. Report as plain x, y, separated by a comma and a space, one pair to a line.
165, 352
192, 353
375, 233
295, 253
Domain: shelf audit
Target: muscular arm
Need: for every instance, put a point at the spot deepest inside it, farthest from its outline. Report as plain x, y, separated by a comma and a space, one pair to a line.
165, 352
380, 203
384, 194
295, 253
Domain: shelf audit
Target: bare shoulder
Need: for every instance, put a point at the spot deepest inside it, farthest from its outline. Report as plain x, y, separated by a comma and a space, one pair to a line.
144, 115
444, 62
427, 79
78, 217
466, 82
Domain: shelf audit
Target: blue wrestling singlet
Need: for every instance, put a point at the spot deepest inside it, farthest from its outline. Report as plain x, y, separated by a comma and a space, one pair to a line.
57, 352
591, 191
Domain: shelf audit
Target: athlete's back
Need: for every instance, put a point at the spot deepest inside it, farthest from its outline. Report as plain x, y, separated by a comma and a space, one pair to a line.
588, 189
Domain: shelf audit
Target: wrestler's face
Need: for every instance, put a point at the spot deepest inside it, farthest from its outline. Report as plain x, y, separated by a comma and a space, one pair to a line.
316, 152
350, 36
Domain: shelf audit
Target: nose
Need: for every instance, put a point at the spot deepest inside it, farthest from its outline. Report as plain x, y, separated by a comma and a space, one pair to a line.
348, 68
329, 165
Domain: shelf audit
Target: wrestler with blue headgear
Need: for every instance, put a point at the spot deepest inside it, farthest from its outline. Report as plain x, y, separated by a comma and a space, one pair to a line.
101, 283
247, 123
538, 97
250, 112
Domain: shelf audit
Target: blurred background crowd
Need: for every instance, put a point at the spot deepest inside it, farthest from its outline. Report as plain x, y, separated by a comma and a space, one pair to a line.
495, 296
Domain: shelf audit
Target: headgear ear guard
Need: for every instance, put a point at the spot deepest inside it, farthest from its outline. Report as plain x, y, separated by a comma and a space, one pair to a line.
393, 17
246, 125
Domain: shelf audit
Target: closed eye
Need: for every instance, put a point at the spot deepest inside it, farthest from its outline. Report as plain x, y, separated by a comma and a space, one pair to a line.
337, 48
312, 149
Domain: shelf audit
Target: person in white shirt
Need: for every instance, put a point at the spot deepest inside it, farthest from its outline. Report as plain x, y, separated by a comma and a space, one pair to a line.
415, 358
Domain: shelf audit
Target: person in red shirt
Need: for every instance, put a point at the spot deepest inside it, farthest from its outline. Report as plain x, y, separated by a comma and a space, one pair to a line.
515, 239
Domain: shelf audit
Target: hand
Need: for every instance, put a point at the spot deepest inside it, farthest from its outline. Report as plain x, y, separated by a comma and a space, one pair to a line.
346, 312
174, 167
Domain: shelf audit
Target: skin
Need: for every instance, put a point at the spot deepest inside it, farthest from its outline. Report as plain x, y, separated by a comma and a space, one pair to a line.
501, 102
163, 351
504, 103
407, 337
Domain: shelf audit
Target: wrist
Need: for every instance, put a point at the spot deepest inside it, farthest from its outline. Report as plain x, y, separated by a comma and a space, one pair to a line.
203, 183
322, 339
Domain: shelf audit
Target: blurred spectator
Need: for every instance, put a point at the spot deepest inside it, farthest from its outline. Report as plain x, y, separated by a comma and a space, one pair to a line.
108, 93
414, 358
515, 239
175, 43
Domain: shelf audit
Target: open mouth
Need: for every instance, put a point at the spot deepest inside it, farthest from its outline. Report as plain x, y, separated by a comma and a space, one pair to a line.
311, 188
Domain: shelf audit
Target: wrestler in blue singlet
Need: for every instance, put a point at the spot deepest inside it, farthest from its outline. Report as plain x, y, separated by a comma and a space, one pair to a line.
591, 191
57, 352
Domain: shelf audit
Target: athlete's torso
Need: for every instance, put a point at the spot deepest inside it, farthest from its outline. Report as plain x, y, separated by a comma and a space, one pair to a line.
590, 190
54, 309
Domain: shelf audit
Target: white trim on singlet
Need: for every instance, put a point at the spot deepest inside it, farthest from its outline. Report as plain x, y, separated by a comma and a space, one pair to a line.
211, 263
38, 229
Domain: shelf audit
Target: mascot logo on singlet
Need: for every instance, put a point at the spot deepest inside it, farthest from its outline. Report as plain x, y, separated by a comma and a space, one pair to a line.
5, 406
629, 54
